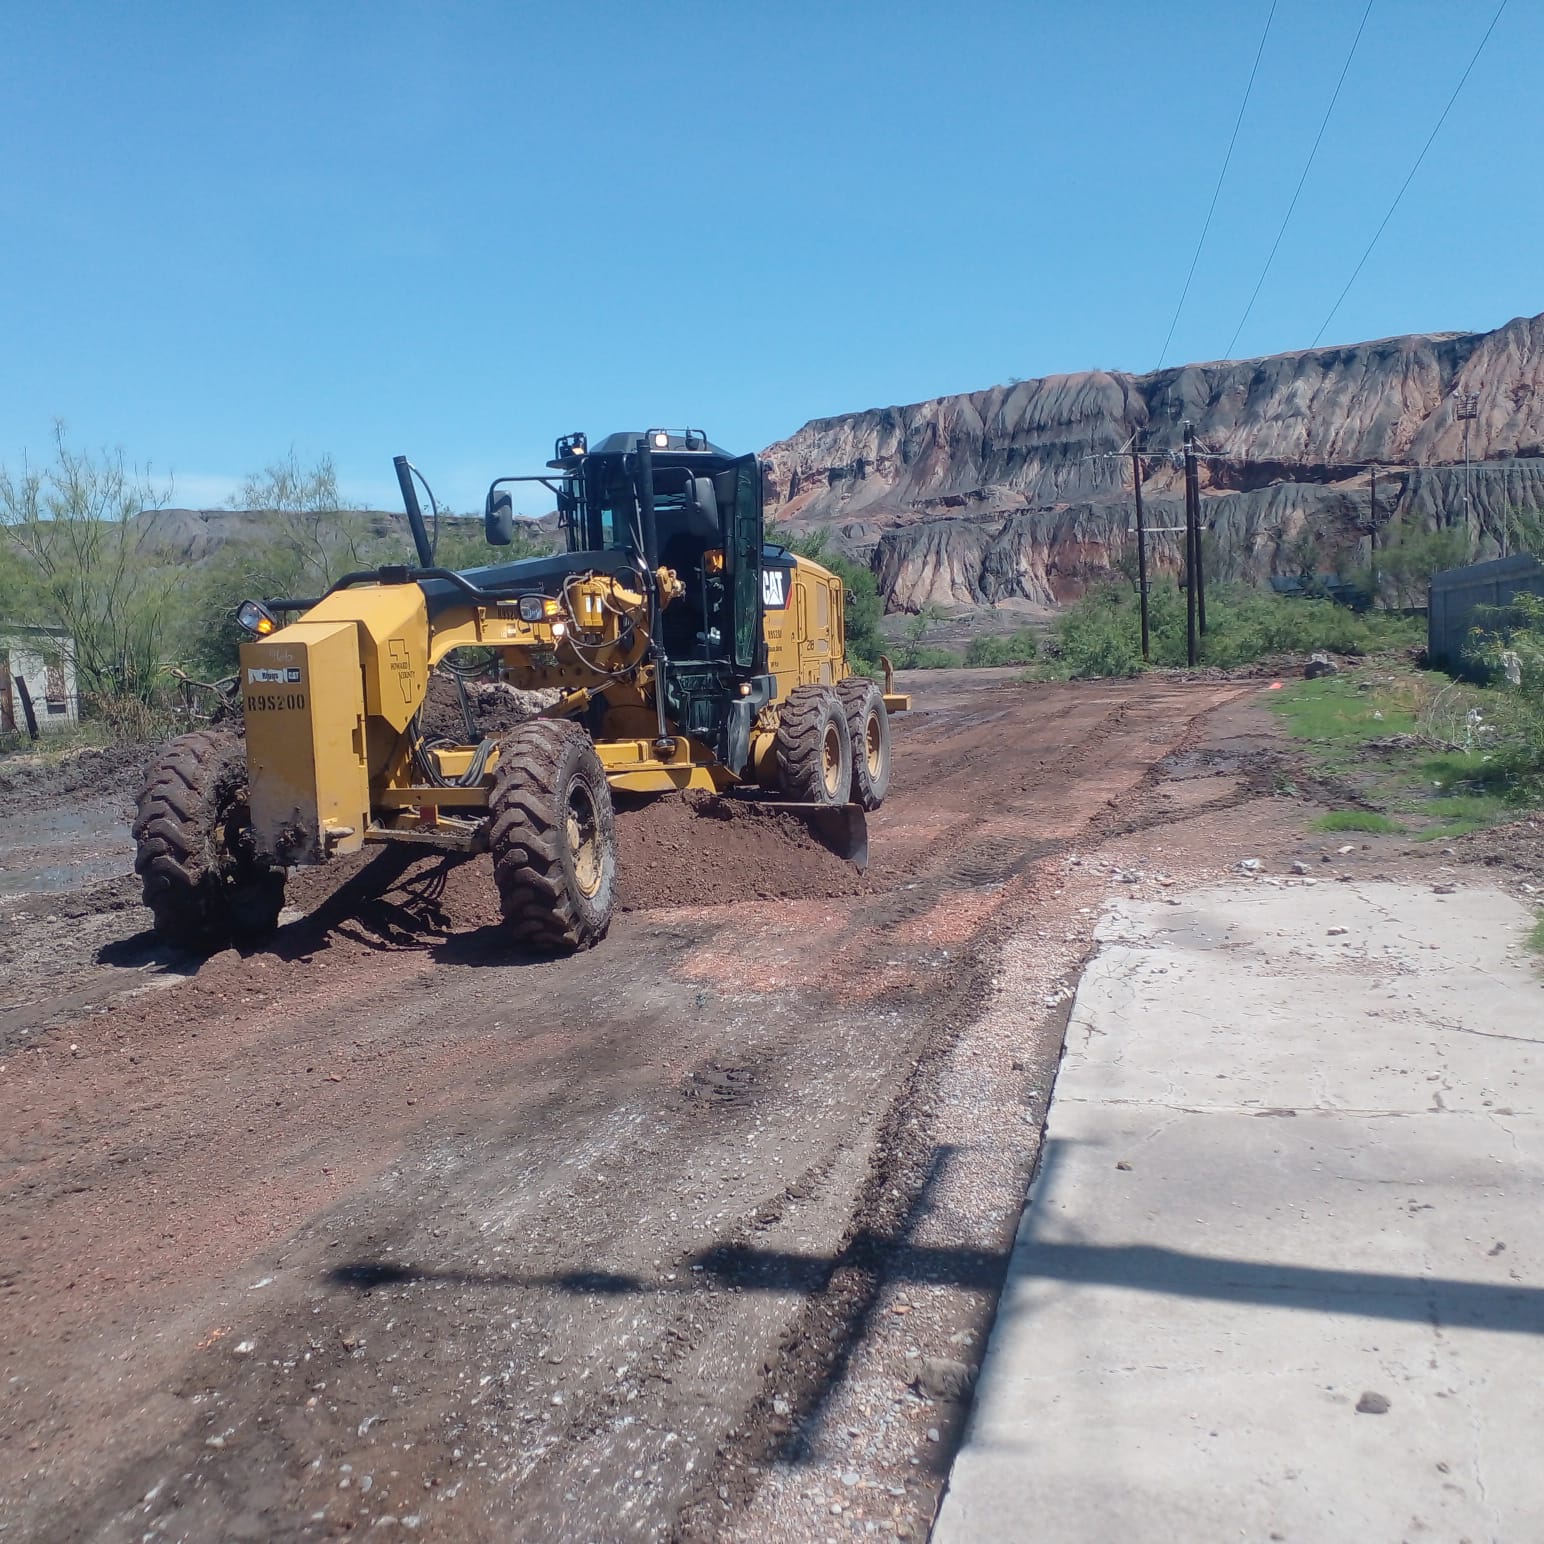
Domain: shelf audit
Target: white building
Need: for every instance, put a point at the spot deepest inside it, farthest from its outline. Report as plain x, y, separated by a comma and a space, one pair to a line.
44, 659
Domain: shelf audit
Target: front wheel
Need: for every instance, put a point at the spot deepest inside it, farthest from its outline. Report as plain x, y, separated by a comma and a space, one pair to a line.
204, 881
552, 835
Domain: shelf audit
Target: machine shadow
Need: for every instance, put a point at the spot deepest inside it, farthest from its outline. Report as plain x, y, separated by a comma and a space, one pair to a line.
397, 902
851, 1281
843, 1289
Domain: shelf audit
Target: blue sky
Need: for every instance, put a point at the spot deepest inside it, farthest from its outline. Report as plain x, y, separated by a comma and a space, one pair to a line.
458, 230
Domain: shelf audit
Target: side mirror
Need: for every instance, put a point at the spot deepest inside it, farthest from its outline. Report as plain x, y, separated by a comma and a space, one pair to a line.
702, 506
499, 519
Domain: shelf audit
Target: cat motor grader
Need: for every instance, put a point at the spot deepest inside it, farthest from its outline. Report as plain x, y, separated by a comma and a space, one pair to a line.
685, 652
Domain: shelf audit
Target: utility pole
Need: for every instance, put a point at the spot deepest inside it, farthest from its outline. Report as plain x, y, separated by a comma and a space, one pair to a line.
1192, 546
1372, 517
1195, 478
1468, 410
1372, 529
1136, 483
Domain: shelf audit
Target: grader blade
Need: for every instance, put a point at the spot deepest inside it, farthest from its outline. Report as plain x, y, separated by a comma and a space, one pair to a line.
842, 828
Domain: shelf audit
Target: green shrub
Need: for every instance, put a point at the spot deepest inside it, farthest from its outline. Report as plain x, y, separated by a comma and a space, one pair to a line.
1101, 634
1020, 648
925, 657
1511, 641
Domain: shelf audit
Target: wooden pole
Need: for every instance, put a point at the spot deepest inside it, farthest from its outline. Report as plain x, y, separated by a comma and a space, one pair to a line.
1195, 479
1136, 483
1192, 543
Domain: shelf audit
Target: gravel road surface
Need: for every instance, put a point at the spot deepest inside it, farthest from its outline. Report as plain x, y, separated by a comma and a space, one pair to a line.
379, 1229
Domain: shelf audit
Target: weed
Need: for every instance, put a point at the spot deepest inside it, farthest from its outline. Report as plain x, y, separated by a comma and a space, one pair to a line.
1536, 936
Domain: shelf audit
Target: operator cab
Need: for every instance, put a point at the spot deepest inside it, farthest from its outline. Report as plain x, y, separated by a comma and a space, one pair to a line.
662, 499
667, 500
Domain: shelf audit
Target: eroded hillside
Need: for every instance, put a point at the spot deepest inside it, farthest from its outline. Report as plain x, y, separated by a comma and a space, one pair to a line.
1012, 494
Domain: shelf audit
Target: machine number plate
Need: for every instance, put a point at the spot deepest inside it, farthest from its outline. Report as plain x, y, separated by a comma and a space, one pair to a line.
274, 702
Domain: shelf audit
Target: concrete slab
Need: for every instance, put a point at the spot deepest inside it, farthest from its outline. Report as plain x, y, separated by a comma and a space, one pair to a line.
1293, 1167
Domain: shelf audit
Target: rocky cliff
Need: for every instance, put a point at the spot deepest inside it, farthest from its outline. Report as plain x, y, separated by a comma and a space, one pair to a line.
1017, 495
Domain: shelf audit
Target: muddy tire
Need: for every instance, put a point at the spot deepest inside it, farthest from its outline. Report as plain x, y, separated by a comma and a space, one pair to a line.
204, 882
552, 834
868, 726
814, 747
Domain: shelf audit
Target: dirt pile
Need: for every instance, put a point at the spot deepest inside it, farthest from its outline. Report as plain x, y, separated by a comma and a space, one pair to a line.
696, 849
689, 849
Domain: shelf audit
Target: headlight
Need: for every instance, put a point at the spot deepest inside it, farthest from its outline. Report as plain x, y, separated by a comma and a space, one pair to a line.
531, 608
256, 618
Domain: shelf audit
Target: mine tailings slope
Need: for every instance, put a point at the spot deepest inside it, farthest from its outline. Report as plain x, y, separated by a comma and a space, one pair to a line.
993, 497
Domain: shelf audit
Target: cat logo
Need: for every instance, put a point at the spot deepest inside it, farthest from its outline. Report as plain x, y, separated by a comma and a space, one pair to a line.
774, 587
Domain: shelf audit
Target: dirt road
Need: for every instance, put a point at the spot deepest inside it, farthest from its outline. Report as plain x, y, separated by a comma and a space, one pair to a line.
378, 1229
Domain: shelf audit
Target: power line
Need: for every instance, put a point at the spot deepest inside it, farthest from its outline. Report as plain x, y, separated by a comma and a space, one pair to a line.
1307, 165
1474, 58
1211, 208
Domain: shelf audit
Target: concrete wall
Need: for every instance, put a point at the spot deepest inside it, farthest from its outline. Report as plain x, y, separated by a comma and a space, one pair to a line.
45, 659
1457, 592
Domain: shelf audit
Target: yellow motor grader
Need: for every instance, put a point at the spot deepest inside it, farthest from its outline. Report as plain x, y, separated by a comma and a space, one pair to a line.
683, 650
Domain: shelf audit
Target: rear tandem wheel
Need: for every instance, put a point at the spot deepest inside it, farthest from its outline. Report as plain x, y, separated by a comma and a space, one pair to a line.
552, 836
814, 747
869, 727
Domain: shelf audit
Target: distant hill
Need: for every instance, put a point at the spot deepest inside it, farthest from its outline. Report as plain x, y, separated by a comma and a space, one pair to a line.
1009, 497
193, 536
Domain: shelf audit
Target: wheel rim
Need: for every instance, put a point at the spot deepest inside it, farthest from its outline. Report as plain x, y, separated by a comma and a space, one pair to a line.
583, 826
831, 759
873, 745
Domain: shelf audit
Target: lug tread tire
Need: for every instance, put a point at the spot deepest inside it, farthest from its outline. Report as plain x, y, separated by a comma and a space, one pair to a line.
202, 881
801, 732
862, 700
543, 907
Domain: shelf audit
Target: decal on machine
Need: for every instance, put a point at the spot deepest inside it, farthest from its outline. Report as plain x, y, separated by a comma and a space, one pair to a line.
774, 587
402, 665
290, 676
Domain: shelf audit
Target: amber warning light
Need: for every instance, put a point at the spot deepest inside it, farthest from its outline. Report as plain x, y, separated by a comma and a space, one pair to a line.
256, 618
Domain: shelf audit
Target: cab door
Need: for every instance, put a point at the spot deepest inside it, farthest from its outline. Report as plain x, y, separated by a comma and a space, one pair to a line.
743, 528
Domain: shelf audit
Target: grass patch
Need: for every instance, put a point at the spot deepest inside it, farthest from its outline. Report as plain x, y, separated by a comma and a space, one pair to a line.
1357, 820
1333, 711
1481, 807
1430, 793
1536, 937
1446, 833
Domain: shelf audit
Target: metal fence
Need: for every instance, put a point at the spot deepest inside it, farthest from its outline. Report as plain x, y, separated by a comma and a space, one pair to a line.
1457, 593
